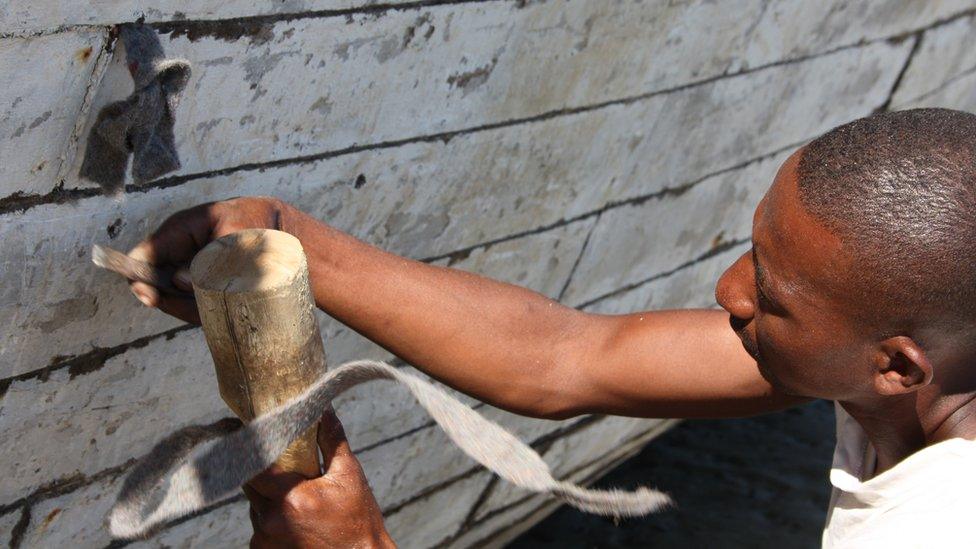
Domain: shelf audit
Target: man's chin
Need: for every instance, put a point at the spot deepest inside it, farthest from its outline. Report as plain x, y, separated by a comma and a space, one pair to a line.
774, 381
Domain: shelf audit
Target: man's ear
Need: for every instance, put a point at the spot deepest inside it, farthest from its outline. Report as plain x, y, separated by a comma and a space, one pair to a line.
901, 367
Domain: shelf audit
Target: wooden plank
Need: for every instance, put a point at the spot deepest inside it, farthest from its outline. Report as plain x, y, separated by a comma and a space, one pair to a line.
722, 207
312, 86
945, 55
41, 100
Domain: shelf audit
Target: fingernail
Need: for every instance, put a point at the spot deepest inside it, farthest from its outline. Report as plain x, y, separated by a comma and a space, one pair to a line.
143, 298
182, 278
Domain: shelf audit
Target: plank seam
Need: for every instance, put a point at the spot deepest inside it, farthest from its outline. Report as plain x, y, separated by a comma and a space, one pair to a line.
183, 25
916, 45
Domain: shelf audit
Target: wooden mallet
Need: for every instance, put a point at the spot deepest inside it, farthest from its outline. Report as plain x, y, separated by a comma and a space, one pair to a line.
257, 312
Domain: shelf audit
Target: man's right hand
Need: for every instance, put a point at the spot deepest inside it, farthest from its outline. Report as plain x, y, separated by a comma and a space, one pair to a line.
185, 233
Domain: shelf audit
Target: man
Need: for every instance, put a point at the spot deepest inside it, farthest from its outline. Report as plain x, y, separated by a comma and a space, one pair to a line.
860, 287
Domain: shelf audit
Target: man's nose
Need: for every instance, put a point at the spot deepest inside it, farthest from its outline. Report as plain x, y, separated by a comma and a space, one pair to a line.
735, 291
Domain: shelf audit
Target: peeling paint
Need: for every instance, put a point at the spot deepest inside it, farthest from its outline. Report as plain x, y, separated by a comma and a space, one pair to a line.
322, 105
257, 30
68, 311
40, 120
470, 80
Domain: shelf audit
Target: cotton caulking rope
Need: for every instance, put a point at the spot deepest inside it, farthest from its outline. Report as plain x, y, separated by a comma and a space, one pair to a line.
199, 466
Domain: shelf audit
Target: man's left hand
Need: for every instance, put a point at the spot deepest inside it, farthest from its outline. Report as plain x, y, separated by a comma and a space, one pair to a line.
336, 509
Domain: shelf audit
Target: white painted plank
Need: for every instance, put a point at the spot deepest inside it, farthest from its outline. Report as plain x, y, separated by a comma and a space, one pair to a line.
224, 527
40, 103
634, 242
947, 53
76, 518
315, 85
8, 523
692, 287
959, 93
431, 519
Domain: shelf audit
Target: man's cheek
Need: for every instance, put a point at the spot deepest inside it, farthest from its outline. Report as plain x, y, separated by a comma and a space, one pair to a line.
788, 367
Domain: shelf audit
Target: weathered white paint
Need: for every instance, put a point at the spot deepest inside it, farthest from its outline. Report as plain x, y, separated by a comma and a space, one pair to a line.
722, 205
405, 74
93, 421
45, 86
960, 93
691, 287
501, 521
946, 55
7, 524
227, 526
430, 520
74, 519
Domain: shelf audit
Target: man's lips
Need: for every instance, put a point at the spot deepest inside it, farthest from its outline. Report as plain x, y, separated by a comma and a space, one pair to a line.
739, 327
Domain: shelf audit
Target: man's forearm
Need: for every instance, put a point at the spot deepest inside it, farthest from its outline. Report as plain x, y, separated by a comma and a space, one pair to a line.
500, 343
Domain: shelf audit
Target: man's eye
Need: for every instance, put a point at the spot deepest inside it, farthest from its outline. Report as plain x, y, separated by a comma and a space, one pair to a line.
763, 298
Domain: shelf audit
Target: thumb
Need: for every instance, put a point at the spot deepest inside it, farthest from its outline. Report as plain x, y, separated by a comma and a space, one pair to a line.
182, 280
336, 454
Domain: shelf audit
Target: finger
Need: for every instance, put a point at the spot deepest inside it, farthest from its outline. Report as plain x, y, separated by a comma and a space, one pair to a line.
260, 507
145, 293
259, 503
183, 308
275, 482
181, 279
260, 540
145, 251
337, 456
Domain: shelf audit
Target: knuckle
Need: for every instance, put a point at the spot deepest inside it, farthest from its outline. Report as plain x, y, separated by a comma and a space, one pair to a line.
298, 502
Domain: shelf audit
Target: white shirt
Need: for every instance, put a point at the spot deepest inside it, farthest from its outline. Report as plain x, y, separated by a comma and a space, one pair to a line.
927, 500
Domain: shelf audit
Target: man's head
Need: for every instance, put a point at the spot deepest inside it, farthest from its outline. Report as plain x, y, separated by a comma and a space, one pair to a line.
862, 275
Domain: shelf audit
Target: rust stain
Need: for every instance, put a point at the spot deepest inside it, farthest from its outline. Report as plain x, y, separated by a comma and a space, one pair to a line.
83, 55
49, 519
718, 241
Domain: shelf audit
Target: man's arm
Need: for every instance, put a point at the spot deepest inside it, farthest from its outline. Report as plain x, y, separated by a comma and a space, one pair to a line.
503, 344
524, 352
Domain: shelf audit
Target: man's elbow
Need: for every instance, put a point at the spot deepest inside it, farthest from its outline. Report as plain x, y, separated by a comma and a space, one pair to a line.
559, 400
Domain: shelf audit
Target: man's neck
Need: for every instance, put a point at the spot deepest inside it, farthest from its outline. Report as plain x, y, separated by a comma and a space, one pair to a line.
899, 428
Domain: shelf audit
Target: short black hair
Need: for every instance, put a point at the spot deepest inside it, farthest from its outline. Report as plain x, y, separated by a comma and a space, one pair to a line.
899, 190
